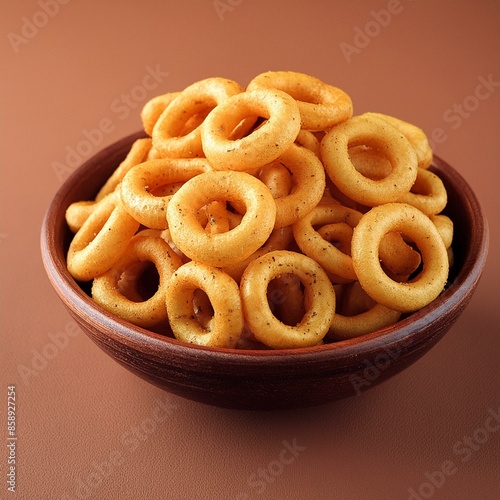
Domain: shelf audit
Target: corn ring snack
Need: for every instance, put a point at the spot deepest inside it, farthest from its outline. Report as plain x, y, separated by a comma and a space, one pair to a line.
308, 185
277, 178
153, 109
143, 179
428, 193
101, 240
405, 296
308, 140
388, 141
265, 217
321, 105
444, 225
224, 329
262, 145
280, 239
138, 153
414, 134
358, 315
232, 246
319, 300
146, 313
169, 135
316, 247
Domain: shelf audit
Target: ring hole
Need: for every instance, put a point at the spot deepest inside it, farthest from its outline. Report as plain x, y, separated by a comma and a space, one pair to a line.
202, 308
139, 282
285, 296
369, 162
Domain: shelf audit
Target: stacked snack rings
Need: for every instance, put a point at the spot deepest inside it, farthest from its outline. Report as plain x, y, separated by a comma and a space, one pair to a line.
265, 217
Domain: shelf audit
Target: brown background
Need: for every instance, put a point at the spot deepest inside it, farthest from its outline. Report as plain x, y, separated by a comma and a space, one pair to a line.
82, 418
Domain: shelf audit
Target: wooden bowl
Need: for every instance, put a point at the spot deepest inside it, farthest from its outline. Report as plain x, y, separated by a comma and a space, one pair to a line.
265, 379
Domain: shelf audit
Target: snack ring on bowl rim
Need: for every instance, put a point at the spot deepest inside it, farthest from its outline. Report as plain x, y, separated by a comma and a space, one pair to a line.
319, 300
234, 245
143, 179
308, 185
262, 145
428, 193
407, 296
101, 240
387, 141
145, 313
199, 97
321, 105
226, 326
332, 259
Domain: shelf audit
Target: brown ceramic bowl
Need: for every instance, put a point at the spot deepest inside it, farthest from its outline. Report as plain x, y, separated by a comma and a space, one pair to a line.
265, 379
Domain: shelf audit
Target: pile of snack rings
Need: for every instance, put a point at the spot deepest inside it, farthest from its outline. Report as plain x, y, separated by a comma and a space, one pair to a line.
265, 217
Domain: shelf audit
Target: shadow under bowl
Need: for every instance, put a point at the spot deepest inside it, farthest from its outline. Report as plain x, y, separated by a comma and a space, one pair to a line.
265, 379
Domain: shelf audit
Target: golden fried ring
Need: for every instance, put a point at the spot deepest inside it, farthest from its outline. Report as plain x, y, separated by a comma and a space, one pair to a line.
338, 233
319, 300
397, 256
308, 140
234, 245
358, 314
332, 259
152, 110
371, 320
321, 105
138, 153
277, 178
262, 145
308, 178
280, 239
141, 181
414, 134
226, 326
146, 313
195, 99
428, 193
411, 222
384, 138
101, 240
78, 212
445, 227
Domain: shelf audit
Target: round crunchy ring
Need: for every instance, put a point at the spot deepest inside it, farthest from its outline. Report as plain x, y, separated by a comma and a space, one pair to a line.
319, 300
101, 240
411, 222
234, 245
428, 193
414, 134
262, 145
321, 105
445, 227
141, 181
308, 185
226, 326
145, 313
152, 110
193, 100
280, 239
331, 258
138, 153
388, 141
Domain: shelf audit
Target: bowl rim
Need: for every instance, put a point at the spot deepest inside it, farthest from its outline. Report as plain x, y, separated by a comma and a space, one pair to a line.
160, 345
